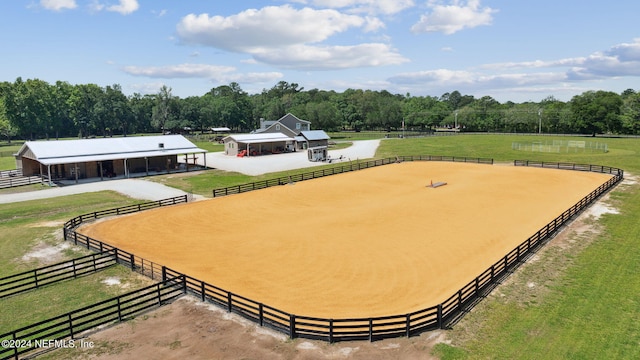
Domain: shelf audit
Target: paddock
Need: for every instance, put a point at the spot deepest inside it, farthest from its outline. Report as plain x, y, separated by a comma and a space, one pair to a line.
374, 242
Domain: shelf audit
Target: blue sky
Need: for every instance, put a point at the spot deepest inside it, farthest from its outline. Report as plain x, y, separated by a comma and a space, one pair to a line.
509, 50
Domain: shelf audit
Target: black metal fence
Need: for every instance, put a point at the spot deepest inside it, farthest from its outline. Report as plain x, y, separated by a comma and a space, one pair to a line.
439, 316
50, 274
125, 210
351, 166
61, 331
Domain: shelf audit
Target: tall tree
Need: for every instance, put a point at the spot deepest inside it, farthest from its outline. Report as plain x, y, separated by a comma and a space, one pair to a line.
162, 108
630, 113
597, 112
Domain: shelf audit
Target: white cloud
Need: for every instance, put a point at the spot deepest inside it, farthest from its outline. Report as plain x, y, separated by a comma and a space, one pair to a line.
620, 60
269, 27
125, 7
304, 57
179, 71
214, 73
387, 7
535, 64
455, 17
451, 79
289, 38
58, 5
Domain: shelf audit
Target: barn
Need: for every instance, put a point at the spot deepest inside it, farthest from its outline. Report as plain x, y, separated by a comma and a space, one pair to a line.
72, 160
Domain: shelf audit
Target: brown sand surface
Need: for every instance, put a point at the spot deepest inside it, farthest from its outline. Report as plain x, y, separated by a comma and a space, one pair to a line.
374, 242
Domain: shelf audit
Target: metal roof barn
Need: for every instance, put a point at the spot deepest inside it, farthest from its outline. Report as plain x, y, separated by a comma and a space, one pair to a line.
141, 151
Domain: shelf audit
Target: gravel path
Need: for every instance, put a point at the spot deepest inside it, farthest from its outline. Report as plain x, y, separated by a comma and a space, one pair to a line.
148, 190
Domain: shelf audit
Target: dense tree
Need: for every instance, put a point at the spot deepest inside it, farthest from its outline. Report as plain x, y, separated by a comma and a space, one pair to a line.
630, 112
597, 112
35, 109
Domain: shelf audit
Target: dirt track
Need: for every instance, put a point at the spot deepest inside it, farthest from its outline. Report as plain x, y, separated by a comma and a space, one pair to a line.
370, 243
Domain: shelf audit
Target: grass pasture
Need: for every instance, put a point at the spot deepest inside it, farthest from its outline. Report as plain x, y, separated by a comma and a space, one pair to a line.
588, 310
31, 237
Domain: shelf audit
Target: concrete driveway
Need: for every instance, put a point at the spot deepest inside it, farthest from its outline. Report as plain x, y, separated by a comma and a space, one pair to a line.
258, 165
135, 188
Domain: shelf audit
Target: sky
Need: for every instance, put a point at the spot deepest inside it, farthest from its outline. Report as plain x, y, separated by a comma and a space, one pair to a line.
510, 50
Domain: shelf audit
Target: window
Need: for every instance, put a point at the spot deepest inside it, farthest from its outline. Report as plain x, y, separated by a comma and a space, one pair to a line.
298, 126
278, 127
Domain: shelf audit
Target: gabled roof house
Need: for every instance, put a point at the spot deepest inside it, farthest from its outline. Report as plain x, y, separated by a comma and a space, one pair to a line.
289, 125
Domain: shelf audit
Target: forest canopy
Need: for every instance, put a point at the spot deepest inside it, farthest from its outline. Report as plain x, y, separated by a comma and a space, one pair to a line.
35, 109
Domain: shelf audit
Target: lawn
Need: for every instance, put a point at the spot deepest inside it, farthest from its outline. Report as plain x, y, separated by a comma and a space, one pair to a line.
591, 310
588, 311
31, 237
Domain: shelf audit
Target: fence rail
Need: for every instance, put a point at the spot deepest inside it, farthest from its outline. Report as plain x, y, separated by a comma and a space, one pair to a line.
10, 173
439, 316
71, 269
73, 324
7, 182
352, 166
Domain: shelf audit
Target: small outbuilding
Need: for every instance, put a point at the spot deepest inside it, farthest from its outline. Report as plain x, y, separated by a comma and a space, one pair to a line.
257, 144
312, 139
107, 157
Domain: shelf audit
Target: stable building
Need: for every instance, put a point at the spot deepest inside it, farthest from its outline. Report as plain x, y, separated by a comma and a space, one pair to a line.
107, 157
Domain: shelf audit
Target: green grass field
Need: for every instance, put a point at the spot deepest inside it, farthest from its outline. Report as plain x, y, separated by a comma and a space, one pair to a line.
590, 309
27, 230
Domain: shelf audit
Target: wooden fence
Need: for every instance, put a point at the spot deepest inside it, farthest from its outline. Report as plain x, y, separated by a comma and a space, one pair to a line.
351, 166
373, 328
62, 330
10, 173
71, 269
7, 182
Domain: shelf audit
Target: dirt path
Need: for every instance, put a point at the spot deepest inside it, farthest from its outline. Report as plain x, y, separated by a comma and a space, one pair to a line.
189, 329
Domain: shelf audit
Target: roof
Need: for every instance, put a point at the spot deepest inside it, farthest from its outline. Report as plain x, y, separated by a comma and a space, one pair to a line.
220, 129
84, 150
315, 135
258, 138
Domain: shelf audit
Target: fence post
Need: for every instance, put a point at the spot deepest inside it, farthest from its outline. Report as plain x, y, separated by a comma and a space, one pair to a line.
35, 277
261, 313
159, 295
164, 274
408, 321
184, 283
292, 326
133, 263
370, 330
202, 290
229, 306
330, 331
439, 316
73, 265
71, 326
119, 311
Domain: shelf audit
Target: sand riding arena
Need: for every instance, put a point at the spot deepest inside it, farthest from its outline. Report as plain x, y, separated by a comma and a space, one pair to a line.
364, 244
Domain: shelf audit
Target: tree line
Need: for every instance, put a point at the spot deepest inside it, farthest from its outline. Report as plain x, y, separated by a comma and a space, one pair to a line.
34, 109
